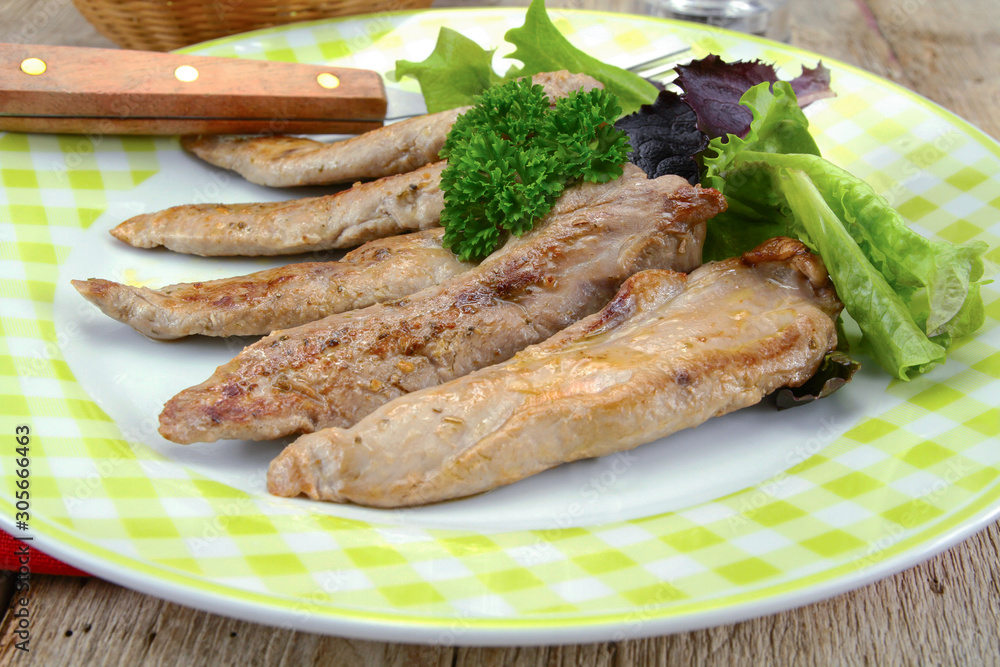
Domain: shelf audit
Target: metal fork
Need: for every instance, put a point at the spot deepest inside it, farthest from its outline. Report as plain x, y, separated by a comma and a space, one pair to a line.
661, 68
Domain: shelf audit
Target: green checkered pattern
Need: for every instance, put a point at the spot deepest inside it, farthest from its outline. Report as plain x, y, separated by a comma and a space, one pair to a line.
896, 482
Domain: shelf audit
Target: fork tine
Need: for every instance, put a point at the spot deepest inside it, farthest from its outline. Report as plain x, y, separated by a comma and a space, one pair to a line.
652, 62
661, 65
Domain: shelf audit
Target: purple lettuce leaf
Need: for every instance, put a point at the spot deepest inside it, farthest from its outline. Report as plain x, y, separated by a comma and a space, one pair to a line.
668, 135
665, 137
714, 87
836, 370
813, 84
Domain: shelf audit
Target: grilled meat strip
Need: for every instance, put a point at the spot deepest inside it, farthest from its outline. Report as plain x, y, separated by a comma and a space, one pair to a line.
282, 161
334, 371
258, 303
367, 211
667, 353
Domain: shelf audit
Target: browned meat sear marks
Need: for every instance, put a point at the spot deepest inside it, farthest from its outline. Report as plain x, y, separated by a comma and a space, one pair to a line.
282, 161
259, 303
393, 205
668, 352
334, 371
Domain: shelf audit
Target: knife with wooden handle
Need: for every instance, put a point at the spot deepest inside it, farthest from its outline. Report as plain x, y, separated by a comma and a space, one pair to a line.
77, 90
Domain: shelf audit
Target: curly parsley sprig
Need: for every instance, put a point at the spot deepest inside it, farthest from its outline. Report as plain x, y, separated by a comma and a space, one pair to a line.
511, 155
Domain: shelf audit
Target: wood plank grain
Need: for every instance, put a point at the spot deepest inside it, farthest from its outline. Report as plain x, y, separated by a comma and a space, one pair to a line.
843, 30
47, 22
7, 586
953, 59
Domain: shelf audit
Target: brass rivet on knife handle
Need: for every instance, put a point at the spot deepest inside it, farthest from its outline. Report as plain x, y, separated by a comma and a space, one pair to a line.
33, 66
186, 73
129, 91
327, 80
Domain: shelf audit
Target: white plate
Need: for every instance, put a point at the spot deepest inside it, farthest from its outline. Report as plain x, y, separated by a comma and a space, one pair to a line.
749, 514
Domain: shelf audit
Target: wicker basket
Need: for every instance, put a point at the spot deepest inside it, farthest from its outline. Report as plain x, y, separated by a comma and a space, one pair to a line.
160, 25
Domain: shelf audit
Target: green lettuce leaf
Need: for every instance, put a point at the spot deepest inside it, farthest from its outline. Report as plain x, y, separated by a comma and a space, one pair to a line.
778, 126
894, 339
937, 280
453, 74
459, 69
754, 214
911, 296
542, 48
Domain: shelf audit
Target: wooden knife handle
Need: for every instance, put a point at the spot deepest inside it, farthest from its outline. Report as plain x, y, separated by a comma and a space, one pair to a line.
53, 88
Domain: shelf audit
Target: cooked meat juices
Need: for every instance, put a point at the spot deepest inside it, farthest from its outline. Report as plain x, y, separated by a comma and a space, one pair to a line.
367, 211
288, 296
394, 149
334, 371
667, 353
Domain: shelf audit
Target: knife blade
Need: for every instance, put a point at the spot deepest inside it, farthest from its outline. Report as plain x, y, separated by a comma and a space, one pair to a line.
81, 90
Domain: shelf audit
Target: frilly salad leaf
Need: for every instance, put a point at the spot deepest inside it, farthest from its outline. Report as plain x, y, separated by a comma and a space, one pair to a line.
542, 48
911, 296
836, 370
665, 137
714, 89
670, 134
778, 126
812, 85
456, 71
459, 69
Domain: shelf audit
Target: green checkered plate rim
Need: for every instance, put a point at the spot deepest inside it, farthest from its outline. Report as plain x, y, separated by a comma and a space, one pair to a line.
914, 474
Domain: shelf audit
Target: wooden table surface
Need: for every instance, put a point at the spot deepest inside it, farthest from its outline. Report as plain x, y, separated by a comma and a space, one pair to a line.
944, 611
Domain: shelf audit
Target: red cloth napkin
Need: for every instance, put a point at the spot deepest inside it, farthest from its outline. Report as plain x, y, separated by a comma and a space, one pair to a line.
12, 551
